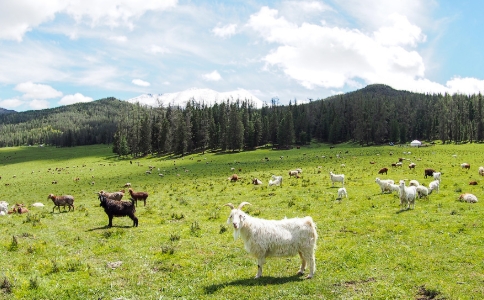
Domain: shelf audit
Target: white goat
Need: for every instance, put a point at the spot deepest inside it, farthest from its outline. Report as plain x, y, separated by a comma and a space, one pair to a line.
437, 175
3, 208
422, 191
265, 238
276, 180
470, 198
256, 181
337, 178
481, 171
299, 170
342, 193
434, 185
414, 183
383, 183
407, 195
293, 173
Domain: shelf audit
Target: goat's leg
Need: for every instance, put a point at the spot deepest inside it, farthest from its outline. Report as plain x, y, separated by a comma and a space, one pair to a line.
303, 264
312, 265
110, 220
260, 262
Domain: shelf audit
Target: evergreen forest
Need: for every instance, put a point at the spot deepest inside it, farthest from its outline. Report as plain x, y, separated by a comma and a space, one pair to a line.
376, 114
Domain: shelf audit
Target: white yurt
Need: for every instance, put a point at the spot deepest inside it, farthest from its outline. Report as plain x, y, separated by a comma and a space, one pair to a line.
416, 143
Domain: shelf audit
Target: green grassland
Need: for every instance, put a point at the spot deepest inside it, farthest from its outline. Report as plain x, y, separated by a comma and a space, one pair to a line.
183, 248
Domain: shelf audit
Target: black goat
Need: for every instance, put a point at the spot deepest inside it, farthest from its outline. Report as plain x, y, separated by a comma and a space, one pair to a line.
114, 208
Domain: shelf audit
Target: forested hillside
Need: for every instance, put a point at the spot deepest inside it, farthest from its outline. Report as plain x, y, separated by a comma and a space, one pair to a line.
373, 115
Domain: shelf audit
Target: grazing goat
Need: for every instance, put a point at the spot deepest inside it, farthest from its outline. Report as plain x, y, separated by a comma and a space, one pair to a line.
342, 193
383, 183
437, 175
337, 178
275, 180
233, 178
256, 181
465, 166
62, 201
115, 208
383, 170
481, 171
428, 172
3, 208
399, 164
470, 198
434, 185
414, 183
422, 191
265, 238
142, 196
473, 183
293, 173
113, 196
412, 165
407, 196
128, 184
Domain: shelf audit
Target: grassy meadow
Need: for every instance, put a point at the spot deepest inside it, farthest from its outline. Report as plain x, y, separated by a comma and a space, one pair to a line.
183, 248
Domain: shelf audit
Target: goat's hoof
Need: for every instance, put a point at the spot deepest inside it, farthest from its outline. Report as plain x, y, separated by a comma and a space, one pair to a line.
300, 273
309, 276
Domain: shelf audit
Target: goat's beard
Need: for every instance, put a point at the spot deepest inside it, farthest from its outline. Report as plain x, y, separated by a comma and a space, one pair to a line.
236, 233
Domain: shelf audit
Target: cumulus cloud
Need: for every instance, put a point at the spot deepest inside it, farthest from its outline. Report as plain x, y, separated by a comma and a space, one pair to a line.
39, 104
76, 98
20, 16
465, 85
11, 103
155, 49
332, 57
225, 31
140, 82
119, 38
400, 32
32, 90
213, 76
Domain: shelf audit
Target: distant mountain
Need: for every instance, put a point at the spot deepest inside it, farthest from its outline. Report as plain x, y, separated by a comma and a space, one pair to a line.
206, 96
6, 111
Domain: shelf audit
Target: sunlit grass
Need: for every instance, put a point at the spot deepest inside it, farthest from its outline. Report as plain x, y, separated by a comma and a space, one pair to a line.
182, 248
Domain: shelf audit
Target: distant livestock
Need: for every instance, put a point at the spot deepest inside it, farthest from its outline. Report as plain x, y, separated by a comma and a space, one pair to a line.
412, 166
465, 166
337, 178
138, 196
428, 172
473, 183
233, 178
470, 198
481, 171
256, 181
383, 171
62, 201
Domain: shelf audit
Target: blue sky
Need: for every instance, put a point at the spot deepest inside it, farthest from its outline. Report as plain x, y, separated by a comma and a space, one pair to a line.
60, 52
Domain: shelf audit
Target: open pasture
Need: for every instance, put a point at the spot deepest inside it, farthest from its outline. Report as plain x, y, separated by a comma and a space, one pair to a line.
183, 248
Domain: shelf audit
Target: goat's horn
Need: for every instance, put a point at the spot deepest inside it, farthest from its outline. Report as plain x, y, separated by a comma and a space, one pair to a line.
242, 204
230, 205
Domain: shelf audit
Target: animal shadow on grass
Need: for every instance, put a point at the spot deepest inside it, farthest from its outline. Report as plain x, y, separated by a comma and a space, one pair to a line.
107, 227
262, 281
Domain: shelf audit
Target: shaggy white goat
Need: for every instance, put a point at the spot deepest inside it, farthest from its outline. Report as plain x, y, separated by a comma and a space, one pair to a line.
276, 180
342, 193
436, 175
422, 191
414, 183
265, 238
407, 195
470, 198
434, 185
481, 171
337, 178
383, 183
293, 173
256, 181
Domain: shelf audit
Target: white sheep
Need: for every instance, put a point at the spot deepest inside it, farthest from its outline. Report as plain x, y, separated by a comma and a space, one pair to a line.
434, 185
470, 198
481, 171
422, 191
276, 180
337, 178
342, 193
383, 183
407, 195
437, 175
256, 181
293, 173
265, 238
392, 188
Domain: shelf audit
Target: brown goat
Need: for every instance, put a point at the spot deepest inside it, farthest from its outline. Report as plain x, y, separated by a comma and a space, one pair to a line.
62, 201
383, 170
114, 196
473, 183
234, 177
138, 196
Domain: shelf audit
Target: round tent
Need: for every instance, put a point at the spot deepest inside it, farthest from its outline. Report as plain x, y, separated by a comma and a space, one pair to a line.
415, 143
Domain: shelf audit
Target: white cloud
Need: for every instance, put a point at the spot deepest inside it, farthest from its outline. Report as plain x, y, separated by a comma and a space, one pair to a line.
39, 104
32, 90
119, 38
225, 31
400, 33
213, 76
76, 98
154, 49
11, 103
140, 82
465, 85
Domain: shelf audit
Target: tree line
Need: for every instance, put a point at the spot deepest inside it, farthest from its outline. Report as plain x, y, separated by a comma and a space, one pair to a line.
373, 115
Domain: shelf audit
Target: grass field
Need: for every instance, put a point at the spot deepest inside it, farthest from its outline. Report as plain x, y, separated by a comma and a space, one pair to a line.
183, 248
